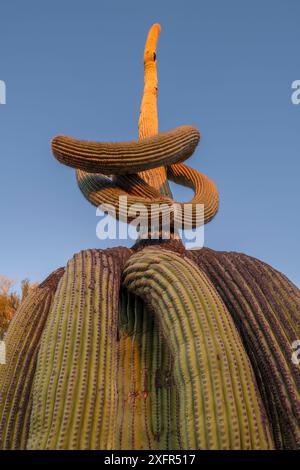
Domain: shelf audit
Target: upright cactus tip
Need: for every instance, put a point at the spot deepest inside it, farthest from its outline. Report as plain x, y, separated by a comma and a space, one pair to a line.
151, 43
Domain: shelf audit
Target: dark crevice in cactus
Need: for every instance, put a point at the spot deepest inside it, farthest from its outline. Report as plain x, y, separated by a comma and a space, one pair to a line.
148, 403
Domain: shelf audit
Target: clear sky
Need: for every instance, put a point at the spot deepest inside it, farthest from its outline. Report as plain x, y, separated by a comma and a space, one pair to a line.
76, 67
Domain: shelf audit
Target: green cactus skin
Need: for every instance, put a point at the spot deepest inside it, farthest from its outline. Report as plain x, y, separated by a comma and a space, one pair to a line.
164, 148
220, 404
75, 387
265, 307
17, 375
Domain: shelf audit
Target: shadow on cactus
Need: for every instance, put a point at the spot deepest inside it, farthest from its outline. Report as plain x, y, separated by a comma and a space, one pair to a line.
153, 347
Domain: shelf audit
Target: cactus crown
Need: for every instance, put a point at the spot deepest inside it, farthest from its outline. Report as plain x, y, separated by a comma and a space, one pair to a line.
140, 169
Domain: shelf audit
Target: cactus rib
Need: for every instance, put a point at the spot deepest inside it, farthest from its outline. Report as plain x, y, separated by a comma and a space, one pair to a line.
221, 407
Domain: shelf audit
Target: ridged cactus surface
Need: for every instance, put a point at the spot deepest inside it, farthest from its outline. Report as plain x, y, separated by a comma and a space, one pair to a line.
148, 405
143, 349
99, 189
17, 375
127, 157
265, 306
75, 389
220, 404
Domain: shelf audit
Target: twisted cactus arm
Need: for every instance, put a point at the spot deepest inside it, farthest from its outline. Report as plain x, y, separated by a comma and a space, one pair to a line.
221, 407
127, 157
99, 189
265, 308
205, 190
16, 376
155, 156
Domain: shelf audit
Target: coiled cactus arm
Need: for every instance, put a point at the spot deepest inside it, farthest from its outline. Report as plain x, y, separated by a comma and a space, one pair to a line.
266, 309
16, 376
155, 157
99, 189
221, 407
127, 157
205, 190
75, 388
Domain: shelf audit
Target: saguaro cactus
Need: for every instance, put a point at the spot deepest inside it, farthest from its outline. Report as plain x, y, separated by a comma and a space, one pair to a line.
153, 347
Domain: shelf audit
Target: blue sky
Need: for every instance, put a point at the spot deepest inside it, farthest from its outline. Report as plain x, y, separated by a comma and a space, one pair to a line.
76, 67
